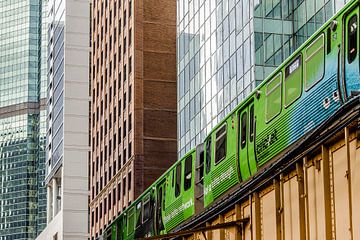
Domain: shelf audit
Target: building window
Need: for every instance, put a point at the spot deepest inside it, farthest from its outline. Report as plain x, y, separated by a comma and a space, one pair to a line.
124, 156
124, 44
129, 150
100, 209
130, 93
97, 214
130, 36
124, 18
130, 65
124, 186
130, 122
119, 191
114, 195
130, 7
129, 181
124, 132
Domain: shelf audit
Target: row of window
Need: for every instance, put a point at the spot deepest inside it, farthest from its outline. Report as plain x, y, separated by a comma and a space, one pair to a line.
112, 170
107, 100
309, 65
313, 71
108, 202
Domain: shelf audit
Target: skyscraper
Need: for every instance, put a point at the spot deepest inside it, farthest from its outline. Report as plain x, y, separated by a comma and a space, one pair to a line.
22, 120
227, 47
67, 119
133, 122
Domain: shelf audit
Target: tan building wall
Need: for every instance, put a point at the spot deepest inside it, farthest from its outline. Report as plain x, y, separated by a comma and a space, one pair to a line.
133, 111
67, 180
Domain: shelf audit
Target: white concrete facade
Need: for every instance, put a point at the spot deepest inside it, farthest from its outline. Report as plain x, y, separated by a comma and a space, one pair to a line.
67, 168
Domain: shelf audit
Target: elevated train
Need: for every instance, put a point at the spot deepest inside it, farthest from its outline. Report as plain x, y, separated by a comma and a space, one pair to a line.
302, 93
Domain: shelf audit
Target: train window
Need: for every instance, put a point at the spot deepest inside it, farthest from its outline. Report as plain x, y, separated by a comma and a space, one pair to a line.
314, 62
118, 230
252, 123
188, 173
201, 175
139, 215
273, 98
146, 210
243, 129
292, 83
220, 148
352, 38
130, 222
178, 180
160, 206
208, 156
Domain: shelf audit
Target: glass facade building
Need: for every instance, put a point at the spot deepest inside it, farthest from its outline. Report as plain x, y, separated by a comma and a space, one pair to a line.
22, 120
227, 47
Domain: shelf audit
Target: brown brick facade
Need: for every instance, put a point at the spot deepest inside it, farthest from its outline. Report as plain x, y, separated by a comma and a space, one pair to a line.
133, 110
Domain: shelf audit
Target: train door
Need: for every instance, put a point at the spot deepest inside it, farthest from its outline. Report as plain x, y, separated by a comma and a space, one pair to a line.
351, 53
160, 200
246, 141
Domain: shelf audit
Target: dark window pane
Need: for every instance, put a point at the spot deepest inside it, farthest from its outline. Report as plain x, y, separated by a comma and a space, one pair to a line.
243, 130
188, 173
220, 150
178, 180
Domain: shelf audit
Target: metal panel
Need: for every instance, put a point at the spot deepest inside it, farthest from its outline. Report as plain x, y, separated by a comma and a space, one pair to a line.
355, 183
268, 216
341, 194
315, 206
291, 209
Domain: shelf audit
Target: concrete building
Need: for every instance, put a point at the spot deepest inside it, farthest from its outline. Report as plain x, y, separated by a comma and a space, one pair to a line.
227, 47
133, 122
67, 120
22, 120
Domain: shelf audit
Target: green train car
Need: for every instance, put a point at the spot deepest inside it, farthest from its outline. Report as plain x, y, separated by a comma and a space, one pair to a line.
302, 93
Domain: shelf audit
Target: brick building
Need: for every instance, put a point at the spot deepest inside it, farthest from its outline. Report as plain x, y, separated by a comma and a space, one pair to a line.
133, 105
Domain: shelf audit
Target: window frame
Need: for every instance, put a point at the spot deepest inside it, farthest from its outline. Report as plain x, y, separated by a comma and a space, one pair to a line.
139, 209
243, 131
131, 214
299, 68
308, 58
187, 187
178, 180
252, 123
146, 202
208, 155
218, 138
350, 61
279, 85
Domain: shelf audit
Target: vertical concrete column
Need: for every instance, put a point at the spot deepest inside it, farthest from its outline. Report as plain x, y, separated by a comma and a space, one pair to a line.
54, 188
49, 203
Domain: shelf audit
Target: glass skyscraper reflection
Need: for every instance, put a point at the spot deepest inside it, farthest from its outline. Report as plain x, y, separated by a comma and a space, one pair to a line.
22, 120
227, 47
